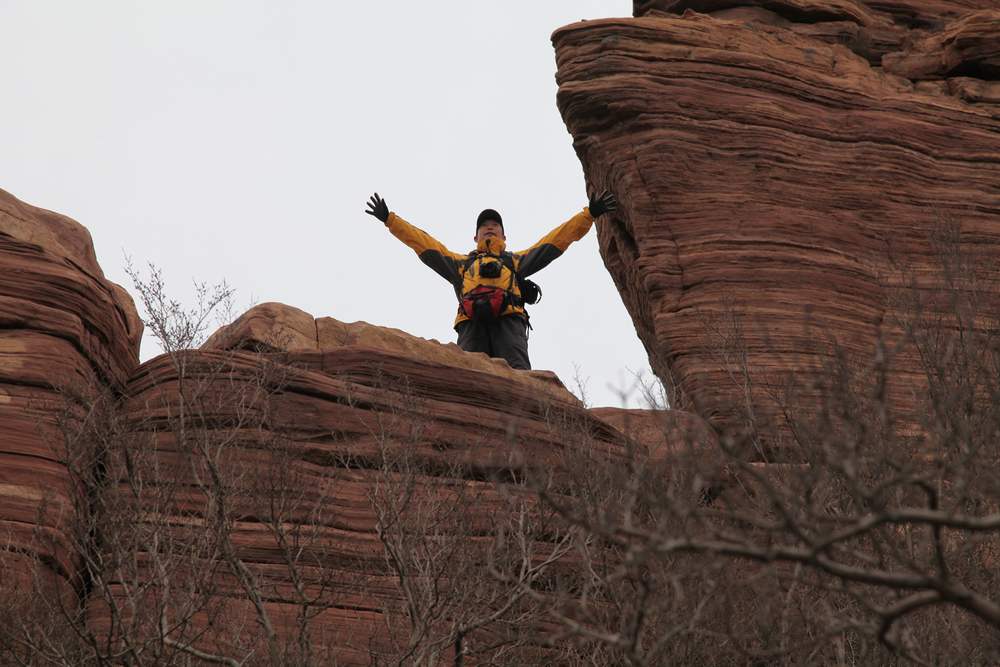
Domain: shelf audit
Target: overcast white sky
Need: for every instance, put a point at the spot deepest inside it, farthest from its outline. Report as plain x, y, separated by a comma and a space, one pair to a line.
240, 139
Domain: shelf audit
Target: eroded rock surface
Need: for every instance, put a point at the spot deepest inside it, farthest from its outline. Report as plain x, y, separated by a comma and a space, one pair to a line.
64, 328
778, 191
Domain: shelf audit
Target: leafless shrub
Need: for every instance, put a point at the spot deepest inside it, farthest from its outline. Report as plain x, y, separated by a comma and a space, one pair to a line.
465, 551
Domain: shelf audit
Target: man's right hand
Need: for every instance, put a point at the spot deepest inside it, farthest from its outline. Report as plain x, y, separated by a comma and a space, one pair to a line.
378, 209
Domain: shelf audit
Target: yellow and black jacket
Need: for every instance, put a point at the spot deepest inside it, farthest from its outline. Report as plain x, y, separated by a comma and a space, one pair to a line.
452, 266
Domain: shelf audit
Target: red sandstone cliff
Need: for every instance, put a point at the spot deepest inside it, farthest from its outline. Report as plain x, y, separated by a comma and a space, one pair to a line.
316, 412
255, 497
63, 327
787, 170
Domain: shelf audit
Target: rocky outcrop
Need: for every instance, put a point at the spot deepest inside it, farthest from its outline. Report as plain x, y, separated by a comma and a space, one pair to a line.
279, 491
274, 327
64, 328
320, 429
780, 191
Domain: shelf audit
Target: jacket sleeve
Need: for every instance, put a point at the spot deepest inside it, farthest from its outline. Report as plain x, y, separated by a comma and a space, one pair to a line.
553, 244
430, 251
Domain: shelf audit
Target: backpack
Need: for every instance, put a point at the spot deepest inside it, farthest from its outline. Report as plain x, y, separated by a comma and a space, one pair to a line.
488, 303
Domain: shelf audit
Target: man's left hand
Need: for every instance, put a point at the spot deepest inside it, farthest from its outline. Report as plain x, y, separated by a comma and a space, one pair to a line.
602, 203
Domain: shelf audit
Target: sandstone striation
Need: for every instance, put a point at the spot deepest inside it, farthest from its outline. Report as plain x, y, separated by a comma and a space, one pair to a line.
780, 193
64, 328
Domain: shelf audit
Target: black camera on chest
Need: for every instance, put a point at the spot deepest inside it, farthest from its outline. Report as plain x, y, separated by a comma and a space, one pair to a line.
489, 268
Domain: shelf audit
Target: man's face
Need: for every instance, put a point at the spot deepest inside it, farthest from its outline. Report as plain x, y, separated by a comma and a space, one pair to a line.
489, 230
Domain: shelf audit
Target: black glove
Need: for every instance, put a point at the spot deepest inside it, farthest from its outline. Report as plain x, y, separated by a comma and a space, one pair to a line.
377, 208
602, 203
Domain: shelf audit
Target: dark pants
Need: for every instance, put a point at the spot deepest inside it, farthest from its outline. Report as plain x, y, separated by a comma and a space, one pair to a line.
507, 338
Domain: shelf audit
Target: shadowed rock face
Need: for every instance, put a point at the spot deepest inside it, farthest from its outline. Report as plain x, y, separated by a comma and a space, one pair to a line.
63, 326
778, 190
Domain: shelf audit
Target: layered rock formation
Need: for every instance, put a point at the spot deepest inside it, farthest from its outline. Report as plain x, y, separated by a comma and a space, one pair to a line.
319, 429
64, 328
786, 168
256, 497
